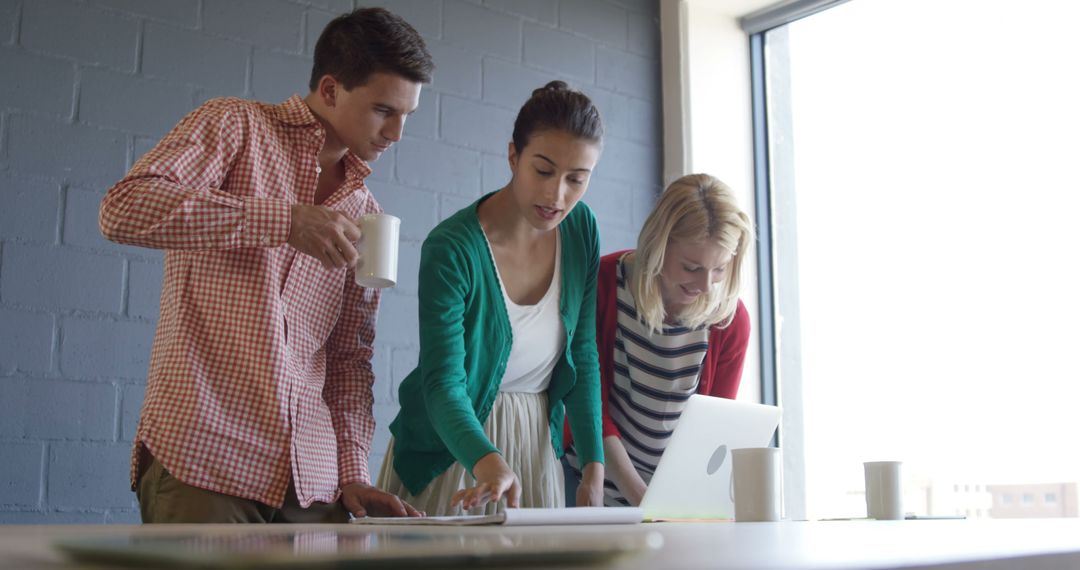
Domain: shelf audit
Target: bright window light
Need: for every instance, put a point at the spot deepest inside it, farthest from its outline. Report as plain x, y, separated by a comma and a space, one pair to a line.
923, 156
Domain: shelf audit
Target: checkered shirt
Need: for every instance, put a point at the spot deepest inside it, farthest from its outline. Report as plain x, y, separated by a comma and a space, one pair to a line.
261, 364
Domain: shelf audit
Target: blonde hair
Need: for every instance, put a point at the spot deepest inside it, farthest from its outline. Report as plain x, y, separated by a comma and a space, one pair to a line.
695, 208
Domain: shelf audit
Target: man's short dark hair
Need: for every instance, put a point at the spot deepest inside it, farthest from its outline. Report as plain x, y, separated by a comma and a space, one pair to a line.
369, 40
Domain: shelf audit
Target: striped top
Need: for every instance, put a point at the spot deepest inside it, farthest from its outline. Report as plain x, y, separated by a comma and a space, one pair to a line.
655, 374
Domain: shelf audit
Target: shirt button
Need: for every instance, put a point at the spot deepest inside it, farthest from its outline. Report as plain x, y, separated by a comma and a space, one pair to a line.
265, 240
318, 170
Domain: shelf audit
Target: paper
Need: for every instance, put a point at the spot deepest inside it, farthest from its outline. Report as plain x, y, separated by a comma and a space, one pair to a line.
523, 517
462, 520
576, 515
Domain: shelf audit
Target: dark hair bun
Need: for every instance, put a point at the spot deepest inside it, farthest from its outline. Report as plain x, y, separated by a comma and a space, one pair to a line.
551, 86
556, 106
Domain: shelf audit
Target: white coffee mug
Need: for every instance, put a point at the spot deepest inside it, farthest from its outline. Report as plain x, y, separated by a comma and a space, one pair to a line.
884, 496
757, 479
378, 249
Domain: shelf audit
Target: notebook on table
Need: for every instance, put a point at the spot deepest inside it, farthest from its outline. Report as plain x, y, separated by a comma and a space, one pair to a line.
521, 517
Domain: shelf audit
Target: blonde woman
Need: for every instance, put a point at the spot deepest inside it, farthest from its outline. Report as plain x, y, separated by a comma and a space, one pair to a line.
669, 324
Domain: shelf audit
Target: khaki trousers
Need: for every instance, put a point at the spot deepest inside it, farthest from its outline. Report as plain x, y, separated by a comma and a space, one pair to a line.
164, 499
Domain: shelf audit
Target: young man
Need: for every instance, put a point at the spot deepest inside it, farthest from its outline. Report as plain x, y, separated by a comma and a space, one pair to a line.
258, 400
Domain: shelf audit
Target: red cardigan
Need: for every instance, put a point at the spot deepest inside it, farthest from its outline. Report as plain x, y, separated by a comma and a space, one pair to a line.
720, 371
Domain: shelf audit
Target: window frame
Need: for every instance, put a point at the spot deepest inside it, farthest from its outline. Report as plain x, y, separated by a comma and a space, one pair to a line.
780, 374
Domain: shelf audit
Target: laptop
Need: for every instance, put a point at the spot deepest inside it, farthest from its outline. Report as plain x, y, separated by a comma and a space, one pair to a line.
693, 478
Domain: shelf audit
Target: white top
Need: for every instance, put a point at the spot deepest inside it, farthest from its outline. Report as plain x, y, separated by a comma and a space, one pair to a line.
537, 331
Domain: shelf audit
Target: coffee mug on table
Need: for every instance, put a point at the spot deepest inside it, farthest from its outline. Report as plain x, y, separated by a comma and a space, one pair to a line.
756, 477
378, 248
884, 497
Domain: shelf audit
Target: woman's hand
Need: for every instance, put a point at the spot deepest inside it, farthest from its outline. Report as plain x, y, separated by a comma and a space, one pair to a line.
494, 480
623, 473
633, 488
590, 492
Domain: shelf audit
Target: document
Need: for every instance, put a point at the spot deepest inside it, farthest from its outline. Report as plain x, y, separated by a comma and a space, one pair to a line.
522, 517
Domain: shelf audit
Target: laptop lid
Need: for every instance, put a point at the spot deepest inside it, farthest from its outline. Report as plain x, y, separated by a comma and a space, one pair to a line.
693, 477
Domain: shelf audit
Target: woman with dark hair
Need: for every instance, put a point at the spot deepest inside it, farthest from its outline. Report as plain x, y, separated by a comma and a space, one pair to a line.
507, 331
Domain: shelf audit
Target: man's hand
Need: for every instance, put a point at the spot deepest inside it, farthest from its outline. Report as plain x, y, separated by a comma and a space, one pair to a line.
590, 492
494, 479
363, 500
325, 234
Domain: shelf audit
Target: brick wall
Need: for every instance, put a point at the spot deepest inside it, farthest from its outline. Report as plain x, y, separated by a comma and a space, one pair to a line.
86, 87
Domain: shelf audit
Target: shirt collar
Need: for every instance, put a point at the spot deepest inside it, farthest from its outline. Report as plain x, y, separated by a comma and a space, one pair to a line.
295, 111
355, 167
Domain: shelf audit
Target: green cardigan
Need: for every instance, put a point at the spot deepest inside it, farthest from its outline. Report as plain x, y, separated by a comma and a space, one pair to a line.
465, 343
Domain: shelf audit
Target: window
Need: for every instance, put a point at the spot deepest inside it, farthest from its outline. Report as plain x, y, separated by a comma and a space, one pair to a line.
1050, 498
1006, 499
915, 164
1027, 498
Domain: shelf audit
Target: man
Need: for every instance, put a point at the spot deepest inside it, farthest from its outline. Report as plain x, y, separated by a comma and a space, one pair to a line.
258, 400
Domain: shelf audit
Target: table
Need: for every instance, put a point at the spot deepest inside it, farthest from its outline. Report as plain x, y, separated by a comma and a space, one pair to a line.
951, 544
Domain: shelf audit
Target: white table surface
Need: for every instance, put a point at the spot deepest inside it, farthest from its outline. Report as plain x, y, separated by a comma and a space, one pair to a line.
953, 544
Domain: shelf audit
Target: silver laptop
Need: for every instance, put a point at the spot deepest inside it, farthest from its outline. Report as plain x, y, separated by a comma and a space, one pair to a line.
693, 478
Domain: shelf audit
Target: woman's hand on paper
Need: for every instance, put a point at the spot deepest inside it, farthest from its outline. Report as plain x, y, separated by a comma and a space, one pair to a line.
494, 480
363, 500
590, 492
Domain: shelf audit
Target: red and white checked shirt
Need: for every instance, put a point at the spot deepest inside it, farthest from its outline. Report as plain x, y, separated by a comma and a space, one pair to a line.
261, 365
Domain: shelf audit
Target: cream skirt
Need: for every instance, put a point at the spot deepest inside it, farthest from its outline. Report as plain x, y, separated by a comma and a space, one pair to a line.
518, 427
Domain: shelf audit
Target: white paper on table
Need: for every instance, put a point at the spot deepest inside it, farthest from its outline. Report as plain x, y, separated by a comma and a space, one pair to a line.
523, 517
575, 515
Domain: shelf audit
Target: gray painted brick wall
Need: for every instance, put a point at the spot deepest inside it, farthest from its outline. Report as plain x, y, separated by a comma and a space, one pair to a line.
90, 85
